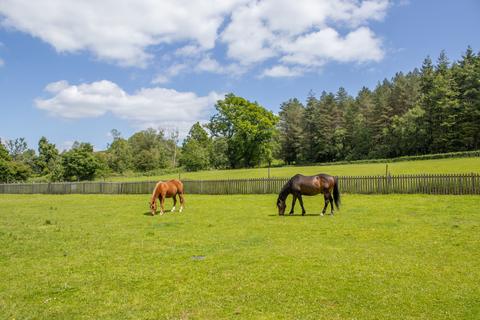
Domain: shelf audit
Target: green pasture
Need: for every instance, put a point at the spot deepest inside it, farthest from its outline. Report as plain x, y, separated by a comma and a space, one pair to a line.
232, 257
451, 165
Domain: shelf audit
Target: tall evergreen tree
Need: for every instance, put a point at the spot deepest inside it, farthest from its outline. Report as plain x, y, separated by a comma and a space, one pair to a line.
467, 79
381, 119
291, 130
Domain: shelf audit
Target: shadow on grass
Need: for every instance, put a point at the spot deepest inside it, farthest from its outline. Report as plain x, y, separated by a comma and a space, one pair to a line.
148, 213
296, 215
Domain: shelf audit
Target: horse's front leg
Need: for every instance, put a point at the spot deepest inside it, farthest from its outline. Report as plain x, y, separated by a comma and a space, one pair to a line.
153, 207
293, 204
327, 197
301, 204
162, 205
174, 203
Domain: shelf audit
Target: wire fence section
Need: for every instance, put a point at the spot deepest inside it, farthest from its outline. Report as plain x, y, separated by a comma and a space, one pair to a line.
427, 184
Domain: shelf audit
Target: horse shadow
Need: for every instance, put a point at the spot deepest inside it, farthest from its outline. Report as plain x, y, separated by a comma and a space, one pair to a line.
148, 213
296, 215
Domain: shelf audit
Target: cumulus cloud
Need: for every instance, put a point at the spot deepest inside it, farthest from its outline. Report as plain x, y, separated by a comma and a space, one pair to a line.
300, 33
190, 31
118, 30
281, 71
315, 48
171, 72
208, 64
148, 107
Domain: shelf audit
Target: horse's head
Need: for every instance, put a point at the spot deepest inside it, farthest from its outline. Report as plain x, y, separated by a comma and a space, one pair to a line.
153, 207
281, 205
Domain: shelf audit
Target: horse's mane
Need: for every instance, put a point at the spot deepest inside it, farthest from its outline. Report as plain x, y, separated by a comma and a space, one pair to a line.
155, 193
286, 188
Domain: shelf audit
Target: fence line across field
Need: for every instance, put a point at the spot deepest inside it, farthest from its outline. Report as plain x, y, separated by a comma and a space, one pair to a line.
426, 184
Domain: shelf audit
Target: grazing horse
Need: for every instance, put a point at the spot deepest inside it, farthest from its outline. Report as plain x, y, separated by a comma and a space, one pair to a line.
163, 190
300, 185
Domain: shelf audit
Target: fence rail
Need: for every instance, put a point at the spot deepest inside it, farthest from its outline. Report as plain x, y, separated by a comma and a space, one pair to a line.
426, 184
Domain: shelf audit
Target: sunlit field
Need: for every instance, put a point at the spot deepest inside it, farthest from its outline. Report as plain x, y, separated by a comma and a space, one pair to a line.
452, 165
104, 257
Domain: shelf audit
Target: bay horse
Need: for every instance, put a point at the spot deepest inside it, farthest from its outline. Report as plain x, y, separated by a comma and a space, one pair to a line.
169, 189
300, 185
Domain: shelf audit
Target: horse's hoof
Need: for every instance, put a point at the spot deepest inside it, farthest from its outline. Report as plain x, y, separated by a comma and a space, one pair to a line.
303, 213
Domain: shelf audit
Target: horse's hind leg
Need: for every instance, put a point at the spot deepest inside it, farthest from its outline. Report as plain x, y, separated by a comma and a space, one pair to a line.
327, 197
182, 201
301, 204
293, 204
174, 203
331, 204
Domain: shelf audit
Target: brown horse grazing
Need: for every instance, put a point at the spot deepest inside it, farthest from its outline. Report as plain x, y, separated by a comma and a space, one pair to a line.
300, 185
168, 189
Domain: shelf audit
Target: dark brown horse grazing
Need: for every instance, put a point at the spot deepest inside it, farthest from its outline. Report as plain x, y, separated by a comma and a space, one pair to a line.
168, 189
300, 185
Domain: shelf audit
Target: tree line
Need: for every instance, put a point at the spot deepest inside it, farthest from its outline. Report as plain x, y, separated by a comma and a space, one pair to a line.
433, 109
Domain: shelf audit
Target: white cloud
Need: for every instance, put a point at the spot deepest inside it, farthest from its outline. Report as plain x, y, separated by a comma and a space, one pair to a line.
186, 32
148, 107
299, 32
118, 30
281, 71
188, 50
208, 64
171, 72
316, 48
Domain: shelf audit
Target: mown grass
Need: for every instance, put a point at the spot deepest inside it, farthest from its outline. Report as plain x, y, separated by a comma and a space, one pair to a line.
232, 257
451, 165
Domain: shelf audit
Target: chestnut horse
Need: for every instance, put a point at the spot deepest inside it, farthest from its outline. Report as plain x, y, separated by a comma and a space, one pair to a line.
163, 190
300, 185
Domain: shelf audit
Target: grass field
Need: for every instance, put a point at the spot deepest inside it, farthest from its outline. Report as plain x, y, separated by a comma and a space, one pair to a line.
232, 257
451, 165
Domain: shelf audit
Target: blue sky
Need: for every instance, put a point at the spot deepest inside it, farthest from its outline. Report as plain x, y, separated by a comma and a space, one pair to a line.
73, 70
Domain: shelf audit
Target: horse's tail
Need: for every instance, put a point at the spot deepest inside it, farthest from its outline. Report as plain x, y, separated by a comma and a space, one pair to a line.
336, 193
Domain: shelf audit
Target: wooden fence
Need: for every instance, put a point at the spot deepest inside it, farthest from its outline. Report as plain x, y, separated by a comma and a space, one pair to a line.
426, 184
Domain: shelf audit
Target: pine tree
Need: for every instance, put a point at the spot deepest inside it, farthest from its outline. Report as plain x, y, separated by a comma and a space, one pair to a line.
291, 130
467, 80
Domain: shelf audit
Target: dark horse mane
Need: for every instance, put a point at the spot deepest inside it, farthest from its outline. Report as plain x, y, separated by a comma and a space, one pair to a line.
286, 188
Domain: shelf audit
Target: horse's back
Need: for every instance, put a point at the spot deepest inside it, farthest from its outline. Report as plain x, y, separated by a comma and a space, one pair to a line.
172, 187
178, 184
327, 181
312, 185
